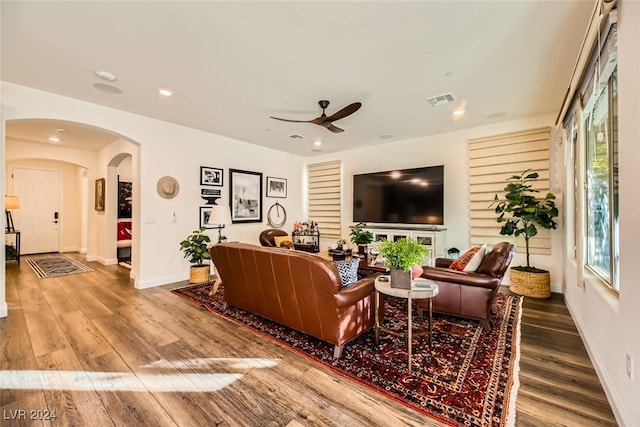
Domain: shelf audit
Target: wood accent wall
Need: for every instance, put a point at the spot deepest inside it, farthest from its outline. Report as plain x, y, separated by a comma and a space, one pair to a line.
492, 160
325, 184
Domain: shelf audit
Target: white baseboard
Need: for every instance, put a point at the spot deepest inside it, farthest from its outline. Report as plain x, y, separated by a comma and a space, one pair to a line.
159, 281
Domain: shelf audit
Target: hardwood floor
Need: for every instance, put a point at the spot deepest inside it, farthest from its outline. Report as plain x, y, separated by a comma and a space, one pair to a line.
92, 350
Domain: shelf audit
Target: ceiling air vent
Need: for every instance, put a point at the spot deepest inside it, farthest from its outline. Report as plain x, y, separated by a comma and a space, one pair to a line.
436, 101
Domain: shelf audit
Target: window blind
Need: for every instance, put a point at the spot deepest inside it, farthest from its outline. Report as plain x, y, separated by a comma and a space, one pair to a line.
491, 161
324, 181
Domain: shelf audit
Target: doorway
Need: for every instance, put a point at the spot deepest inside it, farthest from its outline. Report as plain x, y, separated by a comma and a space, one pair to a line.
39, 192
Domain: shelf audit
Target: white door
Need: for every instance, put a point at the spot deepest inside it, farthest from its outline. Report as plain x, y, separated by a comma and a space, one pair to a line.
39, 193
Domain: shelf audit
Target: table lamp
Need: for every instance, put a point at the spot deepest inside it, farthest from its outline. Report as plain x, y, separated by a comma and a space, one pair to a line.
10, 202
219, 216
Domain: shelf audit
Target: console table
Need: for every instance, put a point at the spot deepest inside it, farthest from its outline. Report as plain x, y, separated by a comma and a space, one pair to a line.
17, 234
367, 265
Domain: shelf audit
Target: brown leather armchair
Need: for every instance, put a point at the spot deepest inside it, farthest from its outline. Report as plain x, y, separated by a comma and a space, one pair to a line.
267, 237
469, 294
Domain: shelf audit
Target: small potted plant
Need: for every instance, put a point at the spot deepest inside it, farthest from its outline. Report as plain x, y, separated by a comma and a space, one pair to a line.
519, 213
362, 238
196, 248
400, 256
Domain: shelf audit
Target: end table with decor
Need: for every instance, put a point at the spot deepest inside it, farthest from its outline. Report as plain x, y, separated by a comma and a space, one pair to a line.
420, 289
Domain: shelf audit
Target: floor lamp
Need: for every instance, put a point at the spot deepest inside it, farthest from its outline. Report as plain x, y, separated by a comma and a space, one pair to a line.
219, 216
10, 202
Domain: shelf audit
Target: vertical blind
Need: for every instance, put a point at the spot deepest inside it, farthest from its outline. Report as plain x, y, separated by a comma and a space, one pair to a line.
324, 197
492, 160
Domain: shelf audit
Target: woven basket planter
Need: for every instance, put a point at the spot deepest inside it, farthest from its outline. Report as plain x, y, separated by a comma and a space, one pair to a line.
536, 285
199, 273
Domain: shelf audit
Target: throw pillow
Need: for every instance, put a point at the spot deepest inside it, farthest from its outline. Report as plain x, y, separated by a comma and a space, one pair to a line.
470, 260
283, 241
348, 270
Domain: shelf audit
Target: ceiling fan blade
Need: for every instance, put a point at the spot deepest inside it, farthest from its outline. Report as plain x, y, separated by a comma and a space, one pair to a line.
333, 128
346, 111
289, 120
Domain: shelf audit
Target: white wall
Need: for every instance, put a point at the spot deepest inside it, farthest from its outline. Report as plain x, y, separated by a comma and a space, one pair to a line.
451, 150
609, 323
161, 149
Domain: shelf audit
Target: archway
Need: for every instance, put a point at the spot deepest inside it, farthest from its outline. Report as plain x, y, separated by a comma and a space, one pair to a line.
97, 153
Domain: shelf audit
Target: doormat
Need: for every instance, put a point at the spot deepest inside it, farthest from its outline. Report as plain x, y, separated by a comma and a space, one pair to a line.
469, 378
54, 266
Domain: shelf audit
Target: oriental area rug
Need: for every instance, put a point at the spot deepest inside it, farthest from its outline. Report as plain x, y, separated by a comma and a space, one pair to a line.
468, 378
53, 266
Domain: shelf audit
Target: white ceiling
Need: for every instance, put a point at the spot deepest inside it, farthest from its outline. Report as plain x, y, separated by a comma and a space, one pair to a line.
232, 64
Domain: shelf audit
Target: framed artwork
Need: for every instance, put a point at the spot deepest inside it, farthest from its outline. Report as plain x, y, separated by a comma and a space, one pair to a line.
124, 199
276, 187
205, 212
245, 196
99, 197
210, 176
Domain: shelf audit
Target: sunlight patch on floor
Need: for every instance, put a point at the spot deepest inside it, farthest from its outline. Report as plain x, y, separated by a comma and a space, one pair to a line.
140, 382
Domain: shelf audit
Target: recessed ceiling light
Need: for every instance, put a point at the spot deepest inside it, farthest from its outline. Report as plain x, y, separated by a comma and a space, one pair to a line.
165, 92
106, 75
496, 115
296, 136
107, 88
317, 143
385, 136
458, 112
61, 131
54, 139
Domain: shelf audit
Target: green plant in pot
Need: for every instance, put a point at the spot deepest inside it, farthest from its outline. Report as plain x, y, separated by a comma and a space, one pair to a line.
196, 249
400, 256
362, 238
520, 212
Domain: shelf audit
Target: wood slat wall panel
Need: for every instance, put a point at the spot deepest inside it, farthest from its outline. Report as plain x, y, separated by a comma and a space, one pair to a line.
504, 170
492, 160
324, 186
492, 178
509, 159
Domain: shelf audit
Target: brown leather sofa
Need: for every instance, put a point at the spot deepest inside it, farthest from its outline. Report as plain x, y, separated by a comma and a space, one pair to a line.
469, 294
300, 290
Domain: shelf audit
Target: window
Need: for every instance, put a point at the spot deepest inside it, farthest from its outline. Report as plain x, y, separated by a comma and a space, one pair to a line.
601, 183
324, 197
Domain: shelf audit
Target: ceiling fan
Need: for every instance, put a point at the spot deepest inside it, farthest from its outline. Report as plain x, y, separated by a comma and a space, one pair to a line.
327, 121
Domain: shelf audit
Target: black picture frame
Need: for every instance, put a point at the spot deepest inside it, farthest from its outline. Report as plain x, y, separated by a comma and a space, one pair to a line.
124, 199
276, 187
205, 212
245, 196
211, 176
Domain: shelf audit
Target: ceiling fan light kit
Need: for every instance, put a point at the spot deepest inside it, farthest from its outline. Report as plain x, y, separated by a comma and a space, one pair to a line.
327, 121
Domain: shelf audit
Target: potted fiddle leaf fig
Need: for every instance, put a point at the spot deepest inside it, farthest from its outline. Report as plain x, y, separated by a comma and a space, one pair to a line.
196, 248
520, 213
400, 256
362, 238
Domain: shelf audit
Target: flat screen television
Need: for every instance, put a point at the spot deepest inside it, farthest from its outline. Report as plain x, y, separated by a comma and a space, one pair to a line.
408, 196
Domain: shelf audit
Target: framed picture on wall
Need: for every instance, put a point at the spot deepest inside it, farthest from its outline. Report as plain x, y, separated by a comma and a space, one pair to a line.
99, 196
245, 196
276, 187
210, 176
205, 212
124, 199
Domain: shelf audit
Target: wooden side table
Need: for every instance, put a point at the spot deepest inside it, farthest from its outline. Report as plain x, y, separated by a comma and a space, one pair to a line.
420, 289
17, 234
